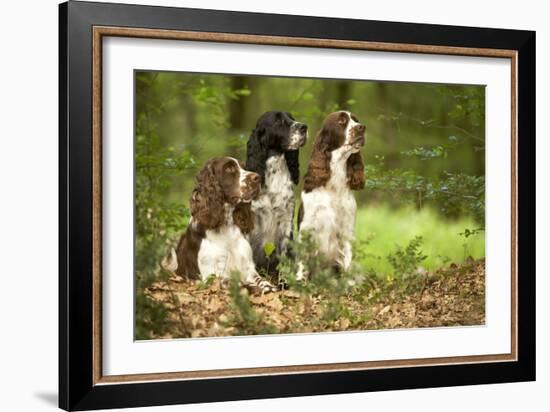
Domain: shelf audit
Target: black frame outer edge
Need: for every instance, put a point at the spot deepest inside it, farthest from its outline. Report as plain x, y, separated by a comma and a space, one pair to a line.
526, 223
62, 196
76, 390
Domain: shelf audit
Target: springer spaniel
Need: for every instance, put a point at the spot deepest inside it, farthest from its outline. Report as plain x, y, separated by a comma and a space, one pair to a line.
328, 206
272, 152
215, 242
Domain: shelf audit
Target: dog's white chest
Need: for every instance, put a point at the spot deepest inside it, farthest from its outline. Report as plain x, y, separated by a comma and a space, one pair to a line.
222, 251
329, 211
275, 204
277, 176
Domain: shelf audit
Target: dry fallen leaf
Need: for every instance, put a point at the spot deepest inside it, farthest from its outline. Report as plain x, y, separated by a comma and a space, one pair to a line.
214, 305
291, 294
275, 304
344, 323
384, 310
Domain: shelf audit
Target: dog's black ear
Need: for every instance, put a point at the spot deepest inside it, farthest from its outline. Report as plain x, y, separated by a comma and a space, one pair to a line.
292, 158
256, 153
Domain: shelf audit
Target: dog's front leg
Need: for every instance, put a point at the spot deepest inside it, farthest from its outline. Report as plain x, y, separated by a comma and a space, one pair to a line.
346, 255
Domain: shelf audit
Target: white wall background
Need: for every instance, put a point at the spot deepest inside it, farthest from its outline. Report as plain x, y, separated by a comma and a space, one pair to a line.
28, 203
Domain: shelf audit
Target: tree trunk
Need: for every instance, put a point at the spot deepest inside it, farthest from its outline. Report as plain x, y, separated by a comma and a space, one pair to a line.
389, 126
237, 108
343, 94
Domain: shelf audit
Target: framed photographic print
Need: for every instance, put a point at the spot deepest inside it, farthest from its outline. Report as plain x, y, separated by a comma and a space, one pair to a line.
257, 205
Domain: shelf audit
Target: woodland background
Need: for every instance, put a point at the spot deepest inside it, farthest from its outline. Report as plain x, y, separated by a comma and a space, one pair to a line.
420, 219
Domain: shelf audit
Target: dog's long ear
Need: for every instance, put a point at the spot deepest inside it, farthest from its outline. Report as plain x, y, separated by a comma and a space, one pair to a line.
207, 199
292, 158
356, 171
318, 170
243, 217
256, 153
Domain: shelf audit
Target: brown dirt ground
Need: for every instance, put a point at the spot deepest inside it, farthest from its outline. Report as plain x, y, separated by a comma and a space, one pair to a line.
450, 296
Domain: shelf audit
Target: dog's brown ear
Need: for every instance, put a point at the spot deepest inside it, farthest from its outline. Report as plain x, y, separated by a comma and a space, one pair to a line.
207, 199
243, 217
356, 171
318, 170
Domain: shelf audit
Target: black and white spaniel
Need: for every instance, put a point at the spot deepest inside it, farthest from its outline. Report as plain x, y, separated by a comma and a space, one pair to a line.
215, 242
328, 206
272, 152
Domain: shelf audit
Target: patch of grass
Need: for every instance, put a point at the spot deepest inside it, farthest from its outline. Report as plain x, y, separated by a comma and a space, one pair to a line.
378, 229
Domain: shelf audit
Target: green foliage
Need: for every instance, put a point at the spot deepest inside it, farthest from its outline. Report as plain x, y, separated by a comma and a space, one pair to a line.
468, 103
206, 283
453, 194
322, 279
155, 221
336, 289
406, 261
244, 318
269, 248
308, 258
471, 232
379, 227
150, 319
213, 97
160, 219
425, 154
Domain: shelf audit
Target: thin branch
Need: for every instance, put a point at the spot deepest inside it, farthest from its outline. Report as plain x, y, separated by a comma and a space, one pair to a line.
301, 95
429, 123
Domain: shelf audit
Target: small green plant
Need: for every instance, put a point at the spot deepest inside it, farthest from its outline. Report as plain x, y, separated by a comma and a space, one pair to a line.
466, 234
151, 319
471, 232
324, 282
269, 249
445, 260
244, 317
406, 261
407, 276
206, 283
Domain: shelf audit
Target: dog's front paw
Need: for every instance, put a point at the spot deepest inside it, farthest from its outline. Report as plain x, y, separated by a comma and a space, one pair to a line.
267, 287
261, 285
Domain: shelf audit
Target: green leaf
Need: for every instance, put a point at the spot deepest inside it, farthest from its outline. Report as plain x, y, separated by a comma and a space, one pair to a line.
269, 248
242, 92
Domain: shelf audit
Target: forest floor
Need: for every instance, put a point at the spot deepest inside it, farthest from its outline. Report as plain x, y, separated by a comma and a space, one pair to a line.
449, 296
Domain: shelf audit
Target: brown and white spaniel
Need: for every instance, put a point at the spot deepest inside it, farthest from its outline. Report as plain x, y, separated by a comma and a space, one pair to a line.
328, 206
215, 240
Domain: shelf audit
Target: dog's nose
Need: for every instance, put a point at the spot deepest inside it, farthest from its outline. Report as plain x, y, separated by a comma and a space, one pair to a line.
361, 128
302, 127
255, 178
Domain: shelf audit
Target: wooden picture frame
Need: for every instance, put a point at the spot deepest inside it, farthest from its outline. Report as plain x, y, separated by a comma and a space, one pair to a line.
82, 27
